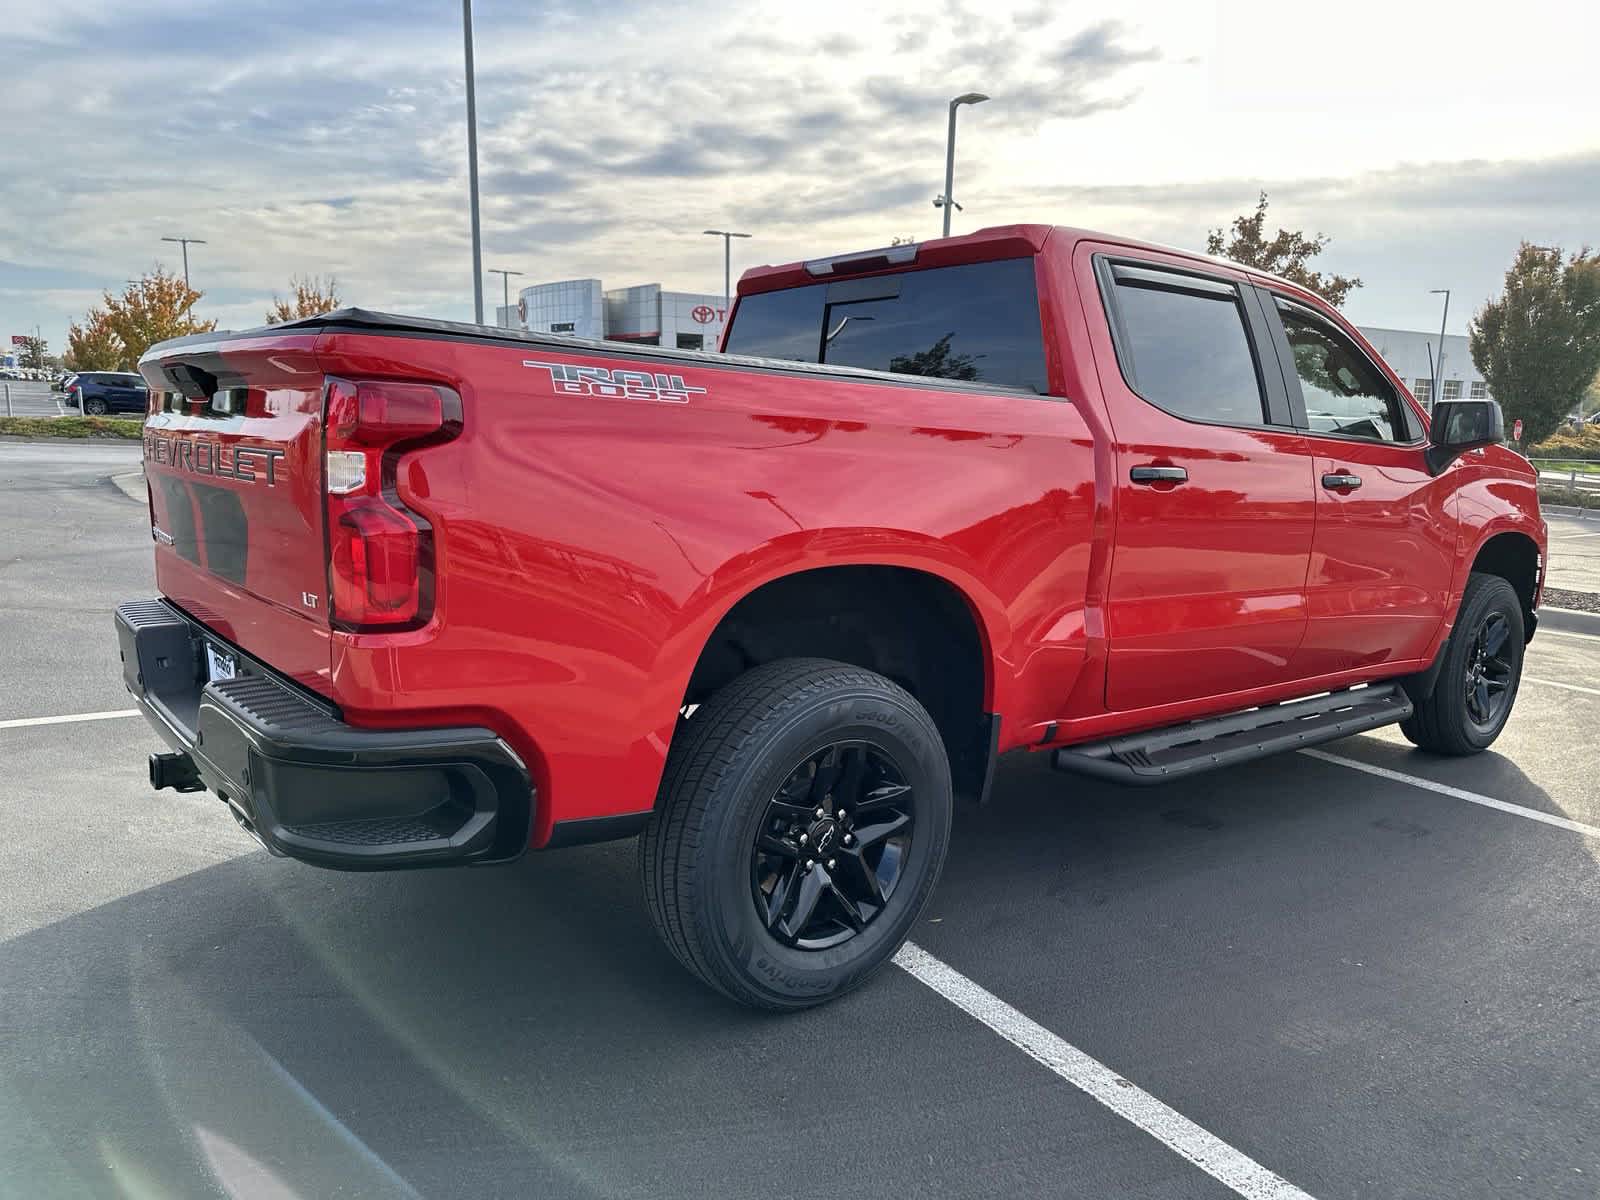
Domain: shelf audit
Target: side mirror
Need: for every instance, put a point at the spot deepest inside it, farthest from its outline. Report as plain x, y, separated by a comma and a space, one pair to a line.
1459, 426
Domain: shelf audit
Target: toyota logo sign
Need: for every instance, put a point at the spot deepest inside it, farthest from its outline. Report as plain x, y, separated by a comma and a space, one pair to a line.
703, 313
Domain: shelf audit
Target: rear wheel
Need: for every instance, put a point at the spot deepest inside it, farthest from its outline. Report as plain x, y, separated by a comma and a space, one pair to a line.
803, 820
95, 406
1477, 684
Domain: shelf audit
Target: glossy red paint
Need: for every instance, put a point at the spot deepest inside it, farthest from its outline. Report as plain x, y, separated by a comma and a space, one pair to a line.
587, 546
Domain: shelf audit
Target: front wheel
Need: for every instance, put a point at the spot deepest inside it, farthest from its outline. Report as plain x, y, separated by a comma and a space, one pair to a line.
803, 820
95, 407
1477, 685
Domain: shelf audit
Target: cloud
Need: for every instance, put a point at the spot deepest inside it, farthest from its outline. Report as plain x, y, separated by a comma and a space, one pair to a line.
315, 138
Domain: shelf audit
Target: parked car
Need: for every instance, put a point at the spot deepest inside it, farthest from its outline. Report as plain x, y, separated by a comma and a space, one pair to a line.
100, 392
435, 593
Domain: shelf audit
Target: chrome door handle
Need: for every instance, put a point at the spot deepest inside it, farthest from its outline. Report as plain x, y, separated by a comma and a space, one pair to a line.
1335, 482
1158, 474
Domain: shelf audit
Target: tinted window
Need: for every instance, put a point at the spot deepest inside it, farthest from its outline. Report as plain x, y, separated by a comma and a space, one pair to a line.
1345, 393
978, 322
1187, 350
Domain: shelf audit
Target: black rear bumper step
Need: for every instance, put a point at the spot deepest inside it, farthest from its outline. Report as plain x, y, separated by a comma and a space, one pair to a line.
1177, 751
301, 780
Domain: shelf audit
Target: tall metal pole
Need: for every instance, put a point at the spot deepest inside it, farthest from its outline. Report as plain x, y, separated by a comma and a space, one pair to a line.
505, 289
184, 242
947, 201
727, 263
472, 165
949, 167
1438, 366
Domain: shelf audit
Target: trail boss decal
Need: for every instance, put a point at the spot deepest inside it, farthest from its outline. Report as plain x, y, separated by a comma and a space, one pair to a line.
248, 464
569, 380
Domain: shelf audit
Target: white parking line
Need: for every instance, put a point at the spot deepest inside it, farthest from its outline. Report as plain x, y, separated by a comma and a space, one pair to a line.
1211, 1154
1567, 687
1445, 789
24, 722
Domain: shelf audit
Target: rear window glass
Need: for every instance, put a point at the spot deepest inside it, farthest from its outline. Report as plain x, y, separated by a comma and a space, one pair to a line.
978, 322
1185, 349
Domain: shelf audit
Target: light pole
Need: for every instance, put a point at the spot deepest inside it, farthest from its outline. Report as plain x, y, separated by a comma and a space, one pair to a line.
1438, 366
472, 164
727, 264
505, 289
947, 200
186, 243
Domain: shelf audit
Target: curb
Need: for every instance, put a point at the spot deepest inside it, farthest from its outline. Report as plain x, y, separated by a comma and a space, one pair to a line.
1571, 510
1569, 620
131, 485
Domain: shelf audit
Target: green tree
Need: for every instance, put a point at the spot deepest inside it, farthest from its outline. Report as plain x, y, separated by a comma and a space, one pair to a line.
157, 307
1286, 254
33, 352
1538, 345
312, 298
94, 345
937, 361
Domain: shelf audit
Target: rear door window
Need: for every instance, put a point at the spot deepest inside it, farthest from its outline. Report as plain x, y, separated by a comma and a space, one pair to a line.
1183, 345
978, 323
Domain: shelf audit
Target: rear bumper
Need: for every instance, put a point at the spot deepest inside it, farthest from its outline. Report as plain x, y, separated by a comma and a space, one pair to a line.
303, 782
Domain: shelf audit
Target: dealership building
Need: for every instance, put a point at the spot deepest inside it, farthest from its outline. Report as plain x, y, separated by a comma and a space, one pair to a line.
1406, 352
645, 315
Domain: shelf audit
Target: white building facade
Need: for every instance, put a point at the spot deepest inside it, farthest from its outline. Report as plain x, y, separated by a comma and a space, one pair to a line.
645, 315
1407, 353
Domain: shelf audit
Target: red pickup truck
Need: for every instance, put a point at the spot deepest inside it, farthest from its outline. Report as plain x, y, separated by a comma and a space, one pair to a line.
437, 594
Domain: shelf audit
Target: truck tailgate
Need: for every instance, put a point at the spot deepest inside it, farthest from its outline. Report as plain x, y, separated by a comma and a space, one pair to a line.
233, 457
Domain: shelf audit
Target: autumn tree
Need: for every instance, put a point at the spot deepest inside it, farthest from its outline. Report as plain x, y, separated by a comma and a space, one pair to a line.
1288, 253
312, 298
155, 308
1538, 345
32, 352
94, 345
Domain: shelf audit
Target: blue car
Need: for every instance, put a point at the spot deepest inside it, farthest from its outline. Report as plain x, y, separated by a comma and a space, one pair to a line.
97, 393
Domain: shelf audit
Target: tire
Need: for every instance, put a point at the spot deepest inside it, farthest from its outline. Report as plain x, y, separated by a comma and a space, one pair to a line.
1449, 721
95, 407
758, 750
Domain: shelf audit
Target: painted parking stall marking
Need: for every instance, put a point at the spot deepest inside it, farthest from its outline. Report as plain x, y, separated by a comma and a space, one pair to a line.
1211, 1154
1445, 789
68, 719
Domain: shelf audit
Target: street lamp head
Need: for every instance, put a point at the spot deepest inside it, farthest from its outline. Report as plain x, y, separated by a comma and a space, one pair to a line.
723, 233
1438, 291
969, 98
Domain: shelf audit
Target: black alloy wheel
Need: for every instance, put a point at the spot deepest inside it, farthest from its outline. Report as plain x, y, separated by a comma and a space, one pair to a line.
1478, 673
832, 845
1490, 671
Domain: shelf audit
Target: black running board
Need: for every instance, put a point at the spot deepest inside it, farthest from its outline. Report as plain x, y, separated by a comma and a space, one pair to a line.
1182, 750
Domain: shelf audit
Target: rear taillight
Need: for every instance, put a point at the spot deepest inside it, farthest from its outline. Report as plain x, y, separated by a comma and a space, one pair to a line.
380, 553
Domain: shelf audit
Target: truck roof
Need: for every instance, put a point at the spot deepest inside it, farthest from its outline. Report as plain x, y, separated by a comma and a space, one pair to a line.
983, 245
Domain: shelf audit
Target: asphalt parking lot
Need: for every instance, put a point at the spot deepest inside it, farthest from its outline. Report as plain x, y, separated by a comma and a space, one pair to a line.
1364, 973
31, 398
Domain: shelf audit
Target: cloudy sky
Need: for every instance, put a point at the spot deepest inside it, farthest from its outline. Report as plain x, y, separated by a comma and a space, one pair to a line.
327, 137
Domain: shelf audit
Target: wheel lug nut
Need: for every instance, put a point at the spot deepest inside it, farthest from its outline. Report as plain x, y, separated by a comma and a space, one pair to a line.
821, 812
832, 863
802, 839
848, 839
810, 863
841, 814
